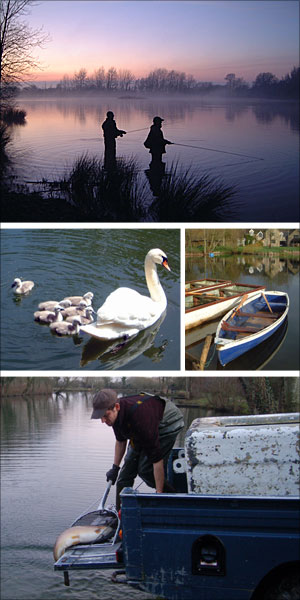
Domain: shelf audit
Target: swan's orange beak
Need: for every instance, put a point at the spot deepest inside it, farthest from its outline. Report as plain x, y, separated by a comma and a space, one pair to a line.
165, 264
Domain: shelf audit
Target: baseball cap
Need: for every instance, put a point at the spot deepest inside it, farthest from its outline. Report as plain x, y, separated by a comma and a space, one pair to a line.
102, 401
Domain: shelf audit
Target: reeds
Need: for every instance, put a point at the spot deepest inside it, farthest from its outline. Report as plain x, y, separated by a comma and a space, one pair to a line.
122, 194
4, 141
187, 197
90, 192
105, 194
13, 116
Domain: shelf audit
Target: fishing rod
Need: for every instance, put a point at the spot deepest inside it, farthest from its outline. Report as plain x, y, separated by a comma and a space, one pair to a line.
134, 130
215, 150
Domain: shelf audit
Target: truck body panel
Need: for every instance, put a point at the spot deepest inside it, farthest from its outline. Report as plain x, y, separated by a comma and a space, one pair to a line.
164, 537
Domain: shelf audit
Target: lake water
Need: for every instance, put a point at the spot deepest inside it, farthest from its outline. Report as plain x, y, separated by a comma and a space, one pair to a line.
279, 353
64, 262
54, 459
267, 185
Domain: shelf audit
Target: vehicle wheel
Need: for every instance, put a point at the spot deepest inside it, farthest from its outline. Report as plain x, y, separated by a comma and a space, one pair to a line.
285, 588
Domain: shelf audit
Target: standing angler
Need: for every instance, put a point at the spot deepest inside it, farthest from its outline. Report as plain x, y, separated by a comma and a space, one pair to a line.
156, 141
110, 132
151, 424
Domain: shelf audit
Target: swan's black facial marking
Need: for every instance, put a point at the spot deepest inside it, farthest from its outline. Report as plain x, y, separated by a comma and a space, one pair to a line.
165, 263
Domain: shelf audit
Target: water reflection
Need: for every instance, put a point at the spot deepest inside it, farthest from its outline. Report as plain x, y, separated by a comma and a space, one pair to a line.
80, 109
270, 265
118, 353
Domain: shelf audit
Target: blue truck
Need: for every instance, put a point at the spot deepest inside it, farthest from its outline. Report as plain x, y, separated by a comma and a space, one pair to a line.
196, 544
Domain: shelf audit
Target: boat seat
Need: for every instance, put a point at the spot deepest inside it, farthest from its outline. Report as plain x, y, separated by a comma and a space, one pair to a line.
242, 329
260, 313
278, 304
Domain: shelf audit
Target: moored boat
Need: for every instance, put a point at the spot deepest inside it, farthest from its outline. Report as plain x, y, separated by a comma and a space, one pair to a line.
204, 284
253, 321
205, 306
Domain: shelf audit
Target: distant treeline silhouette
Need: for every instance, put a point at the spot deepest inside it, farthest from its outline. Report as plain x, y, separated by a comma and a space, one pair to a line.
163, 81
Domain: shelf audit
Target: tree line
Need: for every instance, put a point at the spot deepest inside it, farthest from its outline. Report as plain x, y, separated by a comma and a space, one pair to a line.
244, 395
163, 81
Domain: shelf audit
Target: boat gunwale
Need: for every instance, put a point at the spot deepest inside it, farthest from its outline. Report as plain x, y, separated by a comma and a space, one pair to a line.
254, 288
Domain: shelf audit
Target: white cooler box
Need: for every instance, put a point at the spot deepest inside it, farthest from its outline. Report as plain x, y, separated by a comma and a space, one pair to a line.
253, 455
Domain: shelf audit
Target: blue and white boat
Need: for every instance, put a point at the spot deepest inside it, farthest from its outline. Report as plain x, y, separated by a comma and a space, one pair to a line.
250, 323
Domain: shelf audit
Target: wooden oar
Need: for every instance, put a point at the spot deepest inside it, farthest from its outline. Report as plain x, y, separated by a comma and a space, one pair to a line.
265, 298
244, 298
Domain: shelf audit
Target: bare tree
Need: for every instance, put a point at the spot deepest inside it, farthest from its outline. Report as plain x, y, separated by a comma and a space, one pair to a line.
80, 79
99, 78
17, 42
111, 78
126, 78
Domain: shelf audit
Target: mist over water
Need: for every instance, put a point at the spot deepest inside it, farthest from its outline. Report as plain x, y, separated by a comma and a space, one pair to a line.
58, 131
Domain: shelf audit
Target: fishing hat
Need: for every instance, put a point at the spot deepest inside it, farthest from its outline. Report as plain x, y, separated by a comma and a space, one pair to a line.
102, 401
157, 120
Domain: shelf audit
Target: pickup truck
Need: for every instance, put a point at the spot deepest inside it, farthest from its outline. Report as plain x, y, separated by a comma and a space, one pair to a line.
231, 530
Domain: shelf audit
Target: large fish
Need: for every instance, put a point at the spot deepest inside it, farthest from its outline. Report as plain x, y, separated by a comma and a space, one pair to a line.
80, 534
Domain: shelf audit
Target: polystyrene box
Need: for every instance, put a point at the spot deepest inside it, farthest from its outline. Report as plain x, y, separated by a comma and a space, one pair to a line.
253, 455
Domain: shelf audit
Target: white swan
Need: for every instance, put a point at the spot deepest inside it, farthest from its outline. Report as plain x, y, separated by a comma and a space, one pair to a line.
125, 312
22, 287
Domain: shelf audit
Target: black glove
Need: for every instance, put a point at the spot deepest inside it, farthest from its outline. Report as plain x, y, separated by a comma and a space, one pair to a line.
112, 474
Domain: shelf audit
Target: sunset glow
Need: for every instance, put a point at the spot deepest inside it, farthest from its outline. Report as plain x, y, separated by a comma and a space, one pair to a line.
206, 39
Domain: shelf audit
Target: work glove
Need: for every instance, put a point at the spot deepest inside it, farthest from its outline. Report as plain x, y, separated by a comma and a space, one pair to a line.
112, 474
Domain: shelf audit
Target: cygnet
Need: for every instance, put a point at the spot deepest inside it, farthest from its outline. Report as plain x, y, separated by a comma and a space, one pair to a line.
22, 287
66, 328
75, 300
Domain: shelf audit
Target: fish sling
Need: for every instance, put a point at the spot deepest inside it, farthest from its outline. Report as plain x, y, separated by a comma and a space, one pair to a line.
94, 527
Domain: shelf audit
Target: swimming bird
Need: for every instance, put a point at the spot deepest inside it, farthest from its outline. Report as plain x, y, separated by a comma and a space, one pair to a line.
66, 327
51, 304
80, 534
86, 318
125, 312
75, 300
73, 311
22, 287
48, 316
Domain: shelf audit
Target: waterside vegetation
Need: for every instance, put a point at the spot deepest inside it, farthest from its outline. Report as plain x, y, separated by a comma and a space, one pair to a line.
234, 395
89, 192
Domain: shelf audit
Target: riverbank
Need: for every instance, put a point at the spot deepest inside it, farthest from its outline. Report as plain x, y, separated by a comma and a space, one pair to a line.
284, 252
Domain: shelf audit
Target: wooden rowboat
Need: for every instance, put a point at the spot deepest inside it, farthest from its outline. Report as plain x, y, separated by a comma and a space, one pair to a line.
208, 305
250, 323
204, 284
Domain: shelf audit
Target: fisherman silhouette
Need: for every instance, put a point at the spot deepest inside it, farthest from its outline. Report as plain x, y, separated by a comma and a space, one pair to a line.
110, 132
156, 141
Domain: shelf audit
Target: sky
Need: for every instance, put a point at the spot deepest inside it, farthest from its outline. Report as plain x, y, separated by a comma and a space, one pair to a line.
205, 38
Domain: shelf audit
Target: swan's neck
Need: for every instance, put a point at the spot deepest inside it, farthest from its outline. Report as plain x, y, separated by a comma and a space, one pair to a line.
154, 286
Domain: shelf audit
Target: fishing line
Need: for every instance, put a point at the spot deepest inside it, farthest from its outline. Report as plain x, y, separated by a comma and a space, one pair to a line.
214, 150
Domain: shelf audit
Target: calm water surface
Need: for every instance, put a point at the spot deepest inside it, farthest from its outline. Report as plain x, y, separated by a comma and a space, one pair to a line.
58, 131
73, 262
54, 459
282, 351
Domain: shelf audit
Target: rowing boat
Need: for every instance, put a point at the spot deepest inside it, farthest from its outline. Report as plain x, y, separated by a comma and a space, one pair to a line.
253, 321
202, 306
204, 284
